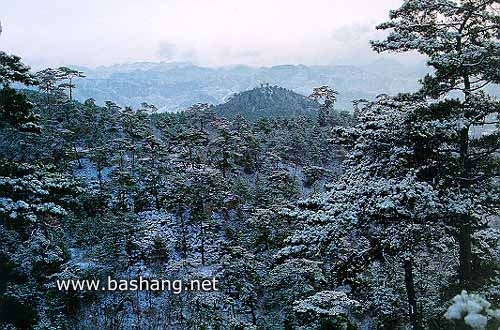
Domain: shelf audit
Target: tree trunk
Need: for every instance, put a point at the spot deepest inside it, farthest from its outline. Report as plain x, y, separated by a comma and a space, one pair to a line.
410, 290
77, 156
463, 221
183, 238
465, 256
70, 91
202, 232
254, 317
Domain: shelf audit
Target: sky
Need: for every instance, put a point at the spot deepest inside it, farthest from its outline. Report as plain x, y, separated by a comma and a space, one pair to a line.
205, 32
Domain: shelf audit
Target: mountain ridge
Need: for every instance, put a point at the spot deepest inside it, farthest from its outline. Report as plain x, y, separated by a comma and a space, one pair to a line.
174, 86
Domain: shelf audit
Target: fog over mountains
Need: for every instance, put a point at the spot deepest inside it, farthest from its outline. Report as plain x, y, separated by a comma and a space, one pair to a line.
176, 86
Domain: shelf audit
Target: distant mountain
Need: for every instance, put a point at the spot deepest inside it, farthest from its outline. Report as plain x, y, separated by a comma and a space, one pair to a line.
266, 101
175, 86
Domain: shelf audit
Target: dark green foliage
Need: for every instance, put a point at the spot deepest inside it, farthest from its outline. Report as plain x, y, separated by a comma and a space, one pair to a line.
161, 191
16, 111
12, 70
266, 101
253, 192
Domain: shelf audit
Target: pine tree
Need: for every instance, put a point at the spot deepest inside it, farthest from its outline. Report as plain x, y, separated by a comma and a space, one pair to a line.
14, 108
69, 74
33, 200
460, 41
327, 96
421, 170
48, 83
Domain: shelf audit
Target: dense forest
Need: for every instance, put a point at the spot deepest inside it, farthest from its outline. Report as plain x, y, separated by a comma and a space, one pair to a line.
383, 217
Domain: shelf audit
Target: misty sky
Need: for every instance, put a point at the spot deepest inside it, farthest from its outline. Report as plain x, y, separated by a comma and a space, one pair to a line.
205, 32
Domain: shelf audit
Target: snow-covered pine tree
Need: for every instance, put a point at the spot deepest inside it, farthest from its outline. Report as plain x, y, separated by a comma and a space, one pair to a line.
69, 75
421, 170
33, 199
460, 131
15, 110
377, 221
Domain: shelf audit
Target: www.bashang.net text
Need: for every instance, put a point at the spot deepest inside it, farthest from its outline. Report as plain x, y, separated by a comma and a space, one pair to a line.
140, 284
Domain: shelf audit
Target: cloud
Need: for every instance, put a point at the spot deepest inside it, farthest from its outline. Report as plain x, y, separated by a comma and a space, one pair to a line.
353, 33
167, 50
214, 56
353, 42
207, 32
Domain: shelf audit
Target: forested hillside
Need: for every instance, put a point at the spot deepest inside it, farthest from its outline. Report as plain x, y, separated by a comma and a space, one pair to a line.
267, 101
95, 191
299, 215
